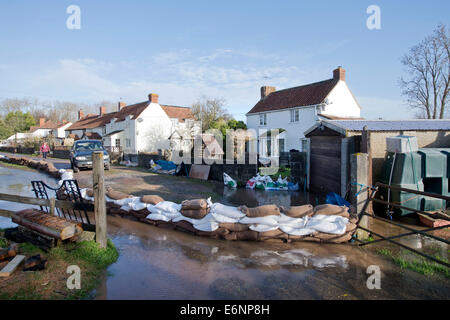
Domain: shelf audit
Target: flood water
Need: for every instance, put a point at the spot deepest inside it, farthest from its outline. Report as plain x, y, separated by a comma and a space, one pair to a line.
157, 263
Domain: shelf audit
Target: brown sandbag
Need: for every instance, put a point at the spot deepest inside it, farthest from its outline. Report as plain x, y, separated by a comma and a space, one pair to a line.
165, 224
353, 219
248, 235
149, 221
306, 210
350, 227
117, 195
140, 214
152, 199
185, 226
218, 232
270, 234
261, 211
232, 236
195, 214
234, 226
195, 204
90, 193
332, 209
333, 238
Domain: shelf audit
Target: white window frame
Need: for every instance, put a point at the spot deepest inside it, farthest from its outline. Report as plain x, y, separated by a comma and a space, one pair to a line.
295, 115
263, 119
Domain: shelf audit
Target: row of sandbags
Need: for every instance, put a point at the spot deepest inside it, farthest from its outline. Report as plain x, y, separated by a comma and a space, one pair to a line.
202, 217
41, 165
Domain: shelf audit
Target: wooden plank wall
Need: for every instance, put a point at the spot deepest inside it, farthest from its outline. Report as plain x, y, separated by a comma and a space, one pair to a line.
325, 175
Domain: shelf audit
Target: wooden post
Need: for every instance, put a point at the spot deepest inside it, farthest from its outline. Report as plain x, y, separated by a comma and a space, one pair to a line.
99, 198
52, 206
359, 182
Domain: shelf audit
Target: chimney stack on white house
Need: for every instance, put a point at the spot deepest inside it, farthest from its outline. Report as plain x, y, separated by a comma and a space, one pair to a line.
41, 122
266, 90
153, 97
102, 111
80, 114
121, 105
339, 73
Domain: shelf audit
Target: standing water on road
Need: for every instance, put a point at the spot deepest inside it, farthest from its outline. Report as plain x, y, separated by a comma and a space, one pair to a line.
157, 263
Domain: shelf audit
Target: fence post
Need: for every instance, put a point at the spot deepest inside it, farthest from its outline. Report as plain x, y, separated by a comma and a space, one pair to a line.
99, 198
359, 180
52, 206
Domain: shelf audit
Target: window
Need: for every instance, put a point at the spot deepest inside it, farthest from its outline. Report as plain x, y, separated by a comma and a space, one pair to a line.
269, 147
174, 122
295, 115
263, 119
128, 143
118, 143
281, 145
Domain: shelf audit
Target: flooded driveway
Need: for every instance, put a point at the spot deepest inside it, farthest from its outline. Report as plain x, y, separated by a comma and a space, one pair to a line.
157, 263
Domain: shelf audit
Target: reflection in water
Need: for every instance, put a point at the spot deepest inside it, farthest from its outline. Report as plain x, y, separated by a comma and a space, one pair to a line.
18, 182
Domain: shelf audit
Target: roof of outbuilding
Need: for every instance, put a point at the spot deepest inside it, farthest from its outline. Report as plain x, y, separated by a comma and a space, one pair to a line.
306, 95
384, 125
181, 113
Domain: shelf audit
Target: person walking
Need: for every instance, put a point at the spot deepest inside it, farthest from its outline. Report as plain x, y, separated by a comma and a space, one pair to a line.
45, 149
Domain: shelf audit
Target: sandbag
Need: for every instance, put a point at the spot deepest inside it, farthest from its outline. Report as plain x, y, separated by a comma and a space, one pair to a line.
157, 217
269, 220
331, 209
223, 219
232, 236
168, 206
117, 195
269, 234
261, 211
306, 210
262, 228
333, 238
248, 235
231, 212
165, 224
90, 193
221, 232
350, 227
207, 226
151, 199
234, 226
195, 204
185, 226
195, 214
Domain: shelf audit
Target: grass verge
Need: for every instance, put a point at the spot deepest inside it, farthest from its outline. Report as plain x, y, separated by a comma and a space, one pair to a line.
417, 263
51, 283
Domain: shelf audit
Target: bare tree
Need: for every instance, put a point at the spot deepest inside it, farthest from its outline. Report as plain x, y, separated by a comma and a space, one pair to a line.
428, 67
208, 110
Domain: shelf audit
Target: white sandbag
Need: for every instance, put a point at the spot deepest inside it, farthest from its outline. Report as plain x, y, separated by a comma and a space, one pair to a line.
228, 211
125, 208
183, 218
168, 206
296, 231
170, 215
267, 220
328, 224
156, 216
208, 226
262, 228
223, 219
292, 222
85, 196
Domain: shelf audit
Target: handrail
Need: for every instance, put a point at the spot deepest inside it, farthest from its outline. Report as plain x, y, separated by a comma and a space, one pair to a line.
423, 193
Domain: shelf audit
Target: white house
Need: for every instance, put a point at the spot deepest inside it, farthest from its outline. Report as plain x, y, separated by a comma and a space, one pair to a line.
141, 127
44, 129
294, 110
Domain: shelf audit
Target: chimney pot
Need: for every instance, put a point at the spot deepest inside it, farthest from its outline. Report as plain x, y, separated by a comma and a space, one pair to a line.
339, 73
153, 97
266, 90
121, 105
80, 114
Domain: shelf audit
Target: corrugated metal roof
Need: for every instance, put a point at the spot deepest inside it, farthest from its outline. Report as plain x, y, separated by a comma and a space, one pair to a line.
392, 125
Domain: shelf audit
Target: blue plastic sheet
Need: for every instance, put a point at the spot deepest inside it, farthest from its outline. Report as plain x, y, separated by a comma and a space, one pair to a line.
334, 198
166, 165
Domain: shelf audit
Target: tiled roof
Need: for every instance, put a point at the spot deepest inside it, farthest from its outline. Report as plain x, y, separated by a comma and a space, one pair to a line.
181, 113
95, 121
92, 136
48, 124
305, 95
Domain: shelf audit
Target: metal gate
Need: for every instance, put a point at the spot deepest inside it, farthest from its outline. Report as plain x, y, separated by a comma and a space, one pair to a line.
68, 191
410, 231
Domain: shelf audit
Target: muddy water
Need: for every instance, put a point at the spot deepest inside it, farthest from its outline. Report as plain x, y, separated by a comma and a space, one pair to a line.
157, 263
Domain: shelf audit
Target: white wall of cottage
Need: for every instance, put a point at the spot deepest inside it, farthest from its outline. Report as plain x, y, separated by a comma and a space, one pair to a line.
341, 103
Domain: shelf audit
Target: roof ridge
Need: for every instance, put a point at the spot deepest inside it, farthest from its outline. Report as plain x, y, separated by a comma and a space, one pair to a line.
307, 85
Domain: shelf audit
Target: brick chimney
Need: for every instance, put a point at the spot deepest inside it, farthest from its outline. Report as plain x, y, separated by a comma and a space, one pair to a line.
80, 114
121, 105
153, 97
266, 90
339, 73
41, 122
102, 111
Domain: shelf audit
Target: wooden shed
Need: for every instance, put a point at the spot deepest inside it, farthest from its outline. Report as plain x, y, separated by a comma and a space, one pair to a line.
331, 142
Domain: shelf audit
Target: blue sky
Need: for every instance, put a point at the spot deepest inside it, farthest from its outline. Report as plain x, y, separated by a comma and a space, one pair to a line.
226, 49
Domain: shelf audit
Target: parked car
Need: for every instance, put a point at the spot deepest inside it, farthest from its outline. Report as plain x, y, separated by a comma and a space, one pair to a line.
81, 154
